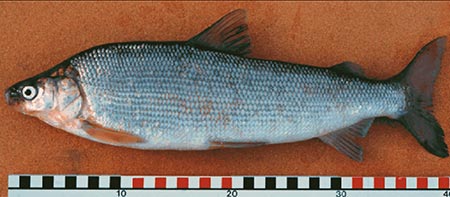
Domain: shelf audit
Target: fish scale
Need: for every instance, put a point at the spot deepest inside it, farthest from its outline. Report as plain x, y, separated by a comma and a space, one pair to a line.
222, 97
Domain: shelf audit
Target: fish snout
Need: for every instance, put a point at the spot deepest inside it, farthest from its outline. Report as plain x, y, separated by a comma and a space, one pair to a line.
12, 96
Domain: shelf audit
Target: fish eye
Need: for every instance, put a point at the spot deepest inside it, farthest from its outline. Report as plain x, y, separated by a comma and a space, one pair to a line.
29, 92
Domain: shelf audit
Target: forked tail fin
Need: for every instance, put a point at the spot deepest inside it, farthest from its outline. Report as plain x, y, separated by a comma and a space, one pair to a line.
419, 77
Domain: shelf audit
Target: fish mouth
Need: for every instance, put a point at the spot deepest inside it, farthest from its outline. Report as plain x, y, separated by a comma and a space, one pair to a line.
12, 97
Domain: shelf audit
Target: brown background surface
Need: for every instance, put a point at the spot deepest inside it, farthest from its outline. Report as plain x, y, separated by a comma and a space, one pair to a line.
381, 36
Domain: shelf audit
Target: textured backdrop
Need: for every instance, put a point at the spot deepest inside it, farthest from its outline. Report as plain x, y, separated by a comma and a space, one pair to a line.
381, 36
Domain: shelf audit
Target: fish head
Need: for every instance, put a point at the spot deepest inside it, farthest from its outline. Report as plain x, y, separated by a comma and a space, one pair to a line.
52, 96
32, 95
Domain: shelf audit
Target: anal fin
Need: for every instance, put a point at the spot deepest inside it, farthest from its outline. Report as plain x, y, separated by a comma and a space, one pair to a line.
221, 144
111, 136
343, 139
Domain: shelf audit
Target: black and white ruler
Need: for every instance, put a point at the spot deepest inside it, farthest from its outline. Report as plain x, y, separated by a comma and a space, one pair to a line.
223, 186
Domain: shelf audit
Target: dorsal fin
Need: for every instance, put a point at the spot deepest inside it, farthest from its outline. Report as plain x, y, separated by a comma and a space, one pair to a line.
229, 35
342, 140
349, 68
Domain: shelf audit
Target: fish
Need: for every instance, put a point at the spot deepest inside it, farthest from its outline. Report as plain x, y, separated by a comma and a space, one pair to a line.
207, 93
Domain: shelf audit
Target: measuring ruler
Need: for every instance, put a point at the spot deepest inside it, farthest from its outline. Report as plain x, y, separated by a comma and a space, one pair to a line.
226, 186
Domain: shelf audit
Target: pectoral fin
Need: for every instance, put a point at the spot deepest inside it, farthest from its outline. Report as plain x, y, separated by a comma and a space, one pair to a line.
343, 139
111, 136
221, 144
